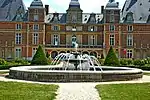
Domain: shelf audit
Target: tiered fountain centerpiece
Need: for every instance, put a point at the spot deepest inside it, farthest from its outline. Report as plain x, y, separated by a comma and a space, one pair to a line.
74, 67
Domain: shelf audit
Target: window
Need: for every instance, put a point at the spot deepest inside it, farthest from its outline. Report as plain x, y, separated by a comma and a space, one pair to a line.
18, 26
18, 38
35, 27
92, 28
93, 40
112, 28
111, 18
74, 40
74, 28
36, 11
55, 40
130, 28
35, 38
18, 53
36, 18
34, 51
129, 54
129, 40
112, 40
55, 28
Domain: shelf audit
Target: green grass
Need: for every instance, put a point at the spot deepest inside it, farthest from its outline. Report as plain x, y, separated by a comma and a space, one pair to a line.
3, 72
124, 91
146, 73
24, 91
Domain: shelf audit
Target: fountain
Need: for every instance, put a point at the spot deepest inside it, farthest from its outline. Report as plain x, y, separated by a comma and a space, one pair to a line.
74, 67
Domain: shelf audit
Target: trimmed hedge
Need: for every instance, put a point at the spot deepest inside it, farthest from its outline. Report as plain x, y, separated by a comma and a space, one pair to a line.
111, 58
39, 57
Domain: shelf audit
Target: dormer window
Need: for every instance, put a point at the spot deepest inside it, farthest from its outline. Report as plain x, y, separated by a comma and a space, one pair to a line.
129, 18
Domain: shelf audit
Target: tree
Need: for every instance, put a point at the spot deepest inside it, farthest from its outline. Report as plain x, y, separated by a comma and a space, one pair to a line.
111, 58
39, 57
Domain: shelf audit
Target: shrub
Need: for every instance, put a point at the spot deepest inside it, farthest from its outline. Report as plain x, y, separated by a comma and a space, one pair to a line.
2, 62
111, 58
139, 62
123, 62
47, 55
21, 61
39, 57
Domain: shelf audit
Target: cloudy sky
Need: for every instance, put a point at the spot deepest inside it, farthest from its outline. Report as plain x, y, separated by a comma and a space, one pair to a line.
86, 5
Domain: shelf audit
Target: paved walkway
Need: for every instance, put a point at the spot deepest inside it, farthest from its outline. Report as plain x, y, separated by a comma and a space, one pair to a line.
79, 91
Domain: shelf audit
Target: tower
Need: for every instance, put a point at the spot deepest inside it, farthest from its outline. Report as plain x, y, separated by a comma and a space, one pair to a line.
112, 12
36, 11
74, 12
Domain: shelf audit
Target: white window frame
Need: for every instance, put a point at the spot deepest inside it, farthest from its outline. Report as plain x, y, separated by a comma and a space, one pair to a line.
129, 40
74, 28
34, 51
36, 17
55, 39
93, 40
35, 26
55, 28
112, 39
129, 53
129, 28
18, 26
18, 38
112, 28
18, 53
35, 38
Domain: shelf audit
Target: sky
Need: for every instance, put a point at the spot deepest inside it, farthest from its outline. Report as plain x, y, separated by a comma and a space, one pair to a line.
88, 6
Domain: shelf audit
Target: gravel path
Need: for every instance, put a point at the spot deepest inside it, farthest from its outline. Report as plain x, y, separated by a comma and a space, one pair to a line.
77, 91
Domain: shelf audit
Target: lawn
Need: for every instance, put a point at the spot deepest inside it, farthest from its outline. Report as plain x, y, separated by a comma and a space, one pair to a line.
26, 91
146, 73
124, 91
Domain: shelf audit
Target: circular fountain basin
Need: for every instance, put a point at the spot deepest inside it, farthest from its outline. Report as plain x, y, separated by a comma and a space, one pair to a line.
55, 74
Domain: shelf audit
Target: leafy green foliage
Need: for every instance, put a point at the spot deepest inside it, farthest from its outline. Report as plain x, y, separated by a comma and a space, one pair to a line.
47, 55
111, 58
125, 62
2, 62
39, 57
21, 61
139, 62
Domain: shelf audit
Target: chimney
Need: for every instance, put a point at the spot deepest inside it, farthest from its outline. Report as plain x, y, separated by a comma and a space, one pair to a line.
47, 9
102, 9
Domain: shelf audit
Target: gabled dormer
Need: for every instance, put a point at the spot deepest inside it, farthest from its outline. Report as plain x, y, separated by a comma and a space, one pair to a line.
92, 19
55, 18
129, 18
19, 14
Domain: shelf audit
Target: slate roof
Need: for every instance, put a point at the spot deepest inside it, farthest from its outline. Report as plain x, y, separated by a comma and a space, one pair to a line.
139, 8
9, 8
97, 18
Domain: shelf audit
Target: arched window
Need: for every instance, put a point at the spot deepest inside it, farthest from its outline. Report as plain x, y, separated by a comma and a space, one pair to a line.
54, 54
